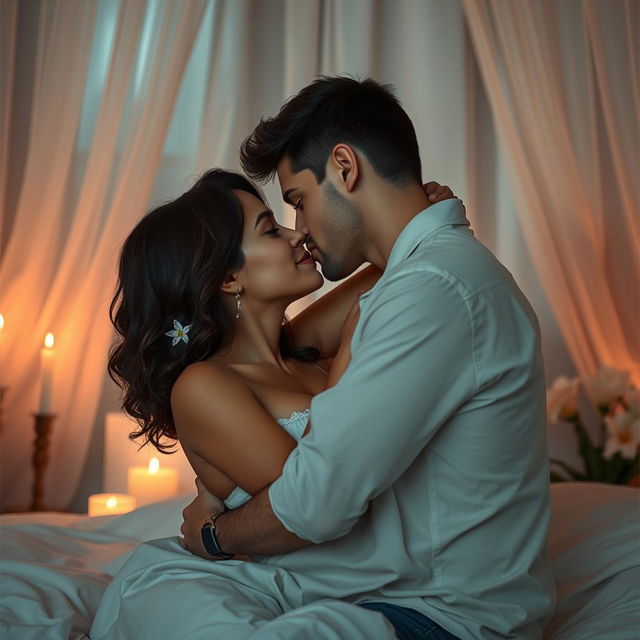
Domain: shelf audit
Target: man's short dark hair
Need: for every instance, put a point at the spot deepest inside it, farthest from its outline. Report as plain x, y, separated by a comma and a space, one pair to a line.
363, 114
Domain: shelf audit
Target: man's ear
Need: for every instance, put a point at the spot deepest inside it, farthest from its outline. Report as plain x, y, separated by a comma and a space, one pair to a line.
230, 283
344, 162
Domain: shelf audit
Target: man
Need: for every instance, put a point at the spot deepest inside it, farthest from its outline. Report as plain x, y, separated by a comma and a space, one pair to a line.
421, 490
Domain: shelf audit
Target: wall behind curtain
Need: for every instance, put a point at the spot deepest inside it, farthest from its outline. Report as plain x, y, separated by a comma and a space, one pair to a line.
247, 57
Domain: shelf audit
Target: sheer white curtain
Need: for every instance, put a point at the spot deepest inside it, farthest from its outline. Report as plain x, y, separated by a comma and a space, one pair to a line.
578, 210
8, 29
58, 270
614, 36
132, 100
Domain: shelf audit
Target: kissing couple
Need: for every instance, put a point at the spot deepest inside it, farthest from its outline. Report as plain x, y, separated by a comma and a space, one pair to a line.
375, 467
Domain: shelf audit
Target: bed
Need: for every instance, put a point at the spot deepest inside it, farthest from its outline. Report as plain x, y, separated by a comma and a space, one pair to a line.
55, 567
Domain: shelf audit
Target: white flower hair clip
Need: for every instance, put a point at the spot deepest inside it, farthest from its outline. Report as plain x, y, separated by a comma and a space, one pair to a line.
178, 333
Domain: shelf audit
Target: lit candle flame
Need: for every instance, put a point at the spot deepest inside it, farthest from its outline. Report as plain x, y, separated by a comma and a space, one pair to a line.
112, 501
48, 341
1, 322
154, 465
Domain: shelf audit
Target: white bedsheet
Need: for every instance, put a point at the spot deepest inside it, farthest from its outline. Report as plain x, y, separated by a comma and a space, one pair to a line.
55, 568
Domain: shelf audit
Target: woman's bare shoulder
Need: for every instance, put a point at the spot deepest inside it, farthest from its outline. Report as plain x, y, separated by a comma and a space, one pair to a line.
214, 377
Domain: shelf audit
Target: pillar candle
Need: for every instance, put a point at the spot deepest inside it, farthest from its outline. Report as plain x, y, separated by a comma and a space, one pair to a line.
47, 356
108, 504
151, 484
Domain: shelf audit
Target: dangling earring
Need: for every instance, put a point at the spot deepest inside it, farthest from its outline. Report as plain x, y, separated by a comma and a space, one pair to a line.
238, 305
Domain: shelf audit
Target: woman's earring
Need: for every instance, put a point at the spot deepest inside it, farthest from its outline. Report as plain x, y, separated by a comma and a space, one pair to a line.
238, 305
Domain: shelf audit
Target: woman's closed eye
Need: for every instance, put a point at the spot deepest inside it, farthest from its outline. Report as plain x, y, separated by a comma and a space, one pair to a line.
275, 231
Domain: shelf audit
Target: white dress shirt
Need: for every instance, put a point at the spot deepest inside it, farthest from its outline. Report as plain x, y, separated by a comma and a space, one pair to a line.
424, 480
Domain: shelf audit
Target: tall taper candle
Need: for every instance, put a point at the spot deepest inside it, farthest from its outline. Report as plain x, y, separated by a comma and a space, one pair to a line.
47, 356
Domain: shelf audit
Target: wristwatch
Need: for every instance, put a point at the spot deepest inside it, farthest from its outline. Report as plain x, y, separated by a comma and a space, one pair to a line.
210, 540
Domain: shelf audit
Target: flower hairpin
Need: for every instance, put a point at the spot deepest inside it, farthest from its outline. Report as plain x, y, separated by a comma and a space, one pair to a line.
178, 333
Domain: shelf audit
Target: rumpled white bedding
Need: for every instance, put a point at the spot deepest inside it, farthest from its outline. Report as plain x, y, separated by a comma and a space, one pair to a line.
54, 569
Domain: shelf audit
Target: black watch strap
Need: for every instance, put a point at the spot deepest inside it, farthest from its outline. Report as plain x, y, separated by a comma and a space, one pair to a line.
210, 540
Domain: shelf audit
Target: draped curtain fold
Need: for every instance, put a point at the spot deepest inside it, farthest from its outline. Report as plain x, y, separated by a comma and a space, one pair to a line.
615, 46
550, 145
8, 30
64, 283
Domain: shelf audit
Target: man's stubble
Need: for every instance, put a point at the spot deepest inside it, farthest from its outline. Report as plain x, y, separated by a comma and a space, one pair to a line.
344, 228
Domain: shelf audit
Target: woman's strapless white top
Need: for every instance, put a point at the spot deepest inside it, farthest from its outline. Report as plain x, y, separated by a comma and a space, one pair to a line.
295, 425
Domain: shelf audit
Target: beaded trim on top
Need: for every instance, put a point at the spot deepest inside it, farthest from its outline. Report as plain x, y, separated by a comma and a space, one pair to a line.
296, 415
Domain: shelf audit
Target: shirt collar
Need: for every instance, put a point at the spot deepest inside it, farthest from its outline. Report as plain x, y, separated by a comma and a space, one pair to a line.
441, 214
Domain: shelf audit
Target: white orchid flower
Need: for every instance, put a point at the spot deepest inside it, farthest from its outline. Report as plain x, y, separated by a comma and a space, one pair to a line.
624, 434
632, 400
178, 333
607, 385
562, 399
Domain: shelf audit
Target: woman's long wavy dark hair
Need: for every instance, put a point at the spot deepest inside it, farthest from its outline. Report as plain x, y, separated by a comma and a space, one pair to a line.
172, 266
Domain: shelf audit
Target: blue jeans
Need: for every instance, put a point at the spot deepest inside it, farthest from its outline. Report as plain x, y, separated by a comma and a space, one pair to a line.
410, 624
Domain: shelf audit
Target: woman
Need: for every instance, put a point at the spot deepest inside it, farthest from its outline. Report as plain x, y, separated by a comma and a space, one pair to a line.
205, 355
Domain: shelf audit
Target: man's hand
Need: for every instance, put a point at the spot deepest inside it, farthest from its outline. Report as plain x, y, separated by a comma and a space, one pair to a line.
205, 504
437, 192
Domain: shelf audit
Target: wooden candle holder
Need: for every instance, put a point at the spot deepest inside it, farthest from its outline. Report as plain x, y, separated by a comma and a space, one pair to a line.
43, 427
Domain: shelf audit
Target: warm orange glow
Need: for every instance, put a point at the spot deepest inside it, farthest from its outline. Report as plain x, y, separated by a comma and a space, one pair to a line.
48, 341
108, 504
152, 483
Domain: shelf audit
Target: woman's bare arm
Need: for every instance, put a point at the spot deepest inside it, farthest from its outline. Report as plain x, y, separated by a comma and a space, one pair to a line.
320, 324
219, 419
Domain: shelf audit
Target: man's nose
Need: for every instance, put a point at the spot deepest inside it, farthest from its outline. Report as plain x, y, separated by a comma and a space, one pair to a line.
297, 237
300, 226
